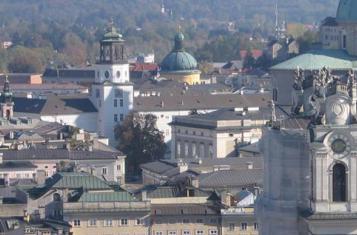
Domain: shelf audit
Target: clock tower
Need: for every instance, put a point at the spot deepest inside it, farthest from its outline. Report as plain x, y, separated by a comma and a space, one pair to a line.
310, 175
112, 91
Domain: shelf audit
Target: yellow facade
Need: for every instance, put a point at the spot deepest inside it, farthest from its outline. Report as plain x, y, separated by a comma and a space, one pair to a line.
190, 78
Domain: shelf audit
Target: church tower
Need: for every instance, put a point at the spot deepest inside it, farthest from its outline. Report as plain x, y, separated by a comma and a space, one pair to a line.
7, 105
112, 92
310, 175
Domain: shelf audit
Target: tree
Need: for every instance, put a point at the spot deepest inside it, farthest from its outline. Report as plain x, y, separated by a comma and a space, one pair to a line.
139, 138
24, 60
249, 61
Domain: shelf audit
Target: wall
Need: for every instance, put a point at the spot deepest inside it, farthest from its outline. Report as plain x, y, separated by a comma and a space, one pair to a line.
86, 121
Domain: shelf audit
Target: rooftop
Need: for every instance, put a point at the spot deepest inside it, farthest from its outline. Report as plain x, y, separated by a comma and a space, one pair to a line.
318, 59
203, 101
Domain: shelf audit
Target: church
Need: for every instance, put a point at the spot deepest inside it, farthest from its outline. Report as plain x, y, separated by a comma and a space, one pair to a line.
110, 99
310, 176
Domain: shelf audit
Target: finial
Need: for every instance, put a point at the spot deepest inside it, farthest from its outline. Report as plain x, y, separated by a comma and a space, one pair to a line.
179, 28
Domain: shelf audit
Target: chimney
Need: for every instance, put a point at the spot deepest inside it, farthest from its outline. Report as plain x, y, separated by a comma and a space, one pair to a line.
144, 196
249, 165
183, 166
195, 183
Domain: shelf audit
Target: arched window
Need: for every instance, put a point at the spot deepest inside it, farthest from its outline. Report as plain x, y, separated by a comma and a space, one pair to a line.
339, 183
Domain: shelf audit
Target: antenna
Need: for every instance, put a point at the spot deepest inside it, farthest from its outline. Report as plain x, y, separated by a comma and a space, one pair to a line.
276, 20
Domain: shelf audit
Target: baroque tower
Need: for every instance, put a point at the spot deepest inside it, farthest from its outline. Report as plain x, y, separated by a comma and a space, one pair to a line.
7, 105
310, 175
112, 92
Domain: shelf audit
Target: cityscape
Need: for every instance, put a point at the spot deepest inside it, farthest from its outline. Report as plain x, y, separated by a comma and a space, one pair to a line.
168, 117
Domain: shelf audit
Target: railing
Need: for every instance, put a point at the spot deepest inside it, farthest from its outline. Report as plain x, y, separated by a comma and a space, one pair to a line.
238, 211
106, 206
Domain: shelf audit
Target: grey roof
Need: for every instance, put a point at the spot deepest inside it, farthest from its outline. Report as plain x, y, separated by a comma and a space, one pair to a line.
169, 168
158, 167
58, 154
69, 73
231, 178
210, 120
54, 105
204, 101
17, 165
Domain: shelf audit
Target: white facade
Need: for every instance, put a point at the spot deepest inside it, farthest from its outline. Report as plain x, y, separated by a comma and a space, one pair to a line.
112, 94
85, 121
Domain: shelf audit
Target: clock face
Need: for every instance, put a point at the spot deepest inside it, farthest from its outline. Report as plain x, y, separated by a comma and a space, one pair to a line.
338, 146
106, 74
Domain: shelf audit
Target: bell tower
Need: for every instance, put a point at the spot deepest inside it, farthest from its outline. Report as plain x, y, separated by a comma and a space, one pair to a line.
112, 92
7, 105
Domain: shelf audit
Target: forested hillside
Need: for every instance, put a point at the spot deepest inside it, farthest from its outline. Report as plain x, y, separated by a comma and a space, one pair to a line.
67, 30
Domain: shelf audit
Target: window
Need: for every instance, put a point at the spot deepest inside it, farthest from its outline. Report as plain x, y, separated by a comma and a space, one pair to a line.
339, 183
138, 222
97, 93
199, 232
231, 227
124, 222
344, 42
194, 149
178, 148
172, 233
158, 233
118, 167
92, 222
115, 117
121, 117
243, 226
104, 170
256, 226
108, 223
115, 103
76, 223
186, 232
121, 102
185, 221
199, 221
118, 93
118, 74
213, 232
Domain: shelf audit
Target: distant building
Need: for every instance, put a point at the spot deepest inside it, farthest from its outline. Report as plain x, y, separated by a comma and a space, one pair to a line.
218, 134
179, 65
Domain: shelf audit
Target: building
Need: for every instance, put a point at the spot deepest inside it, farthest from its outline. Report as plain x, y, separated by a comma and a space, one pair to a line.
166, 105
112, 92
218, 134
179, 65
112, 212
238, 215
210, 174
309, 161
338, 52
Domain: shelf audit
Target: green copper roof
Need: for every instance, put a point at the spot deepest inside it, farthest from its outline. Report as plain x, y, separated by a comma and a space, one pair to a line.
112, 35
315, 60
121, 196
70, 180
178, 59
347, 11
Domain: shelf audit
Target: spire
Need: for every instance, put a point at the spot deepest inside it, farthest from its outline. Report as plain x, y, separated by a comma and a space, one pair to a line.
276, 20
6, 94
179, 38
